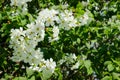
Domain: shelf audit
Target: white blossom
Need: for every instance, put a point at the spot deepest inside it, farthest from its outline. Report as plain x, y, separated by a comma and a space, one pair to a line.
67, 20
19, 2
24, 42
76, 66
46, 67
84, 19
68, 58
55, 34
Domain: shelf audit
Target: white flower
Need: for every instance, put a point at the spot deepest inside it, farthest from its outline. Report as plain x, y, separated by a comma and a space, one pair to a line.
62, 61
55, 34
24, 9
84, 19
84, 3
48, 17
46, 67
76, 66
51, 64
68, 58
24, 42
19, 2
67, 20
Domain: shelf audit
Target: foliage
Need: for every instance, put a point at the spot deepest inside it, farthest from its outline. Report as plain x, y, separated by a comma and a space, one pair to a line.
89, 51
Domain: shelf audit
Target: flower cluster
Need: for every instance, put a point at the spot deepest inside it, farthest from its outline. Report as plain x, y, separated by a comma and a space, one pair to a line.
58, 20
67, 20
55, 34
72, 61
24, 42
68, 59
85, 19
19, 2
22, 4
46, 67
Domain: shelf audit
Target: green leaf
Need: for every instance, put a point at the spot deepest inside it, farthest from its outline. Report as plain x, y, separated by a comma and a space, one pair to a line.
32, 78
46, 74
29, 72
7, 77
87, 64
116, 76
88, 45
60, 76
89, 70
30, 17
107, 78
78, 40
107, 62
20, 78
110, 67
116, 61
0, 16
58, 73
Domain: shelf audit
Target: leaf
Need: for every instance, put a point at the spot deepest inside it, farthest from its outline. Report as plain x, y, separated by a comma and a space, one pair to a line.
32, 78
117, 62
7, 77
110, 67
89, 70
0, 16
59, 74
29, 72
30, 17
87, 64
88, 45
46, 74
107, 62
106, 78
20, 78
78, 40
116, 76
